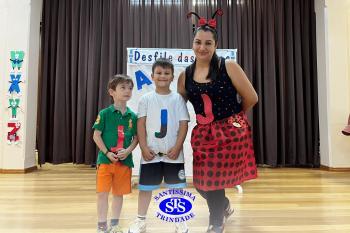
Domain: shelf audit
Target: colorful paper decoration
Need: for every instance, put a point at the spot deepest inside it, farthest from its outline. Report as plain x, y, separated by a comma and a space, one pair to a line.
12, 135
14, 104
17, 59
15, 81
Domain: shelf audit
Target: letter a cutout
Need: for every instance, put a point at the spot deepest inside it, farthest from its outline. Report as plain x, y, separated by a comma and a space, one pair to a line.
141, 79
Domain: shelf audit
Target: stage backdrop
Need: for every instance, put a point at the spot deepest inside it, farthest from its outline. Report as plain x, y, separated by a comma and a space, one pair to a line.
139, 67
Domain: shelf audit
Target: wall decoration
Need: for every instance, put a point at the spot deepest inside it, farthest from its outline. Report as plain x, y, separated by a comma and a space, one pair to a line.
14, 91
16, 59
13, 105
15, 81
12, 136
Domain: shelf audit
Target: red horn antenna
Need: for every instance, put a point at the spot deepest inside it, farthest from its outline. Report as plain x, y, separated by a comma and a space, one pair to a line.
192, 13
219, 12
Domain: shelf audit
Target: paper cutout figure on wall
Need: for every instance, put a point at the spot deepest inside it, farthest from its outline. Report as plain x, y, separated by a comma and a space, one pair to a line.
14, 104
163, 124
209, 116
12, 135
15, 81
17, 59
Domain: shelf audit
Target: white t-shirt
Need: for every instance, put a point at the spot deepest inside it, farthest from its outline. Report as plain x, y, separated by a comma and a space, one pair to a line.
163, 115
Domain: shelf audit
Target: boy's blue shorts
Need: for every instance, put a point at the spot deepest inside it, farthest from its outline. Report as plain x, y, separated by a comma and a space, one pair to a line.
152, 174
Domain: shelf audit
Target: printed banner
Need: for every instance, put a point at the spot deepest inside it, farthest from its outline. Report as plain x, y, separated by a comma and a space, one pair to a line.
179, 57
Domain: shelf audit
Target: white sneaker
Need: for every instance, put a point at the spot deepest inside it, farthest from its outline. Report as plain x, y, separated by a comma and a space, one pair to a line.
101, 231
137, 226
228, 212
115, 229
181, 227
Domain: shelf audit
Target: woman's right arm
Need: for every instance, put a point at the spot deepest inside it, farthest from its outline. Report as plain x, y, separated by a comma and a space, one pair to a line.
181, 85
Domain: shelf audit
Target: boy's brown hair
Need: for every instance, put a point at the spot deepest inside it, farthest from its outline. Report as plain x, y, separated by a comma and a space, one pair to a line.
117, 79
164, 63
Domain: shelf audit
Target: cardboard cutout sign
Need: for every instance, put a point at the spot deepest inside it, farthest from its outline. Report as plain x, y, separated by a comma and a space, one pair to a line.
15, 81
12, 136
14, 104
16, 59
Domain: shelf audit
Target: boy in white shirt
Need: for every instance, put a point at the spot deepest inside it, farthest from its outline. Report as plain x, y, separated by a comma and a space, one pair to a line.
162, 127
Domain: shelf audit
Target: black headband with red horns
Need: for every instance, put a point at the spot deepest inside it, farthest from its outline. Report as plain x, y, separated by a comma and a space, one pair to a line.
203, 21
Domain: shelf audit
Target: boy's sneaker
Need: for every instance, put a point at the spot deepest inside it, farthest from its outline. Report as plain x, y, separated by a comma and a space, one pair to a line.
181, 227
99, 230
228, 212
115, 229
138, 226
215, 229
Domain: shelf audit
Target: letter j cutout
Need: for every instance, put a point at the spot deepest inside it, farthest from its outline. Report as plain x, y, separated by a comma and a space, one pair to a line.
163, 124
120, 140
209, 116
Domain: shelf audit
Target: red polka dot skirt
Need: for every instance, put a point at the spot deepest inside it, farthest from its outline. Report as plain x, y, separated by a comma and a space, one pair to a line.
223, 154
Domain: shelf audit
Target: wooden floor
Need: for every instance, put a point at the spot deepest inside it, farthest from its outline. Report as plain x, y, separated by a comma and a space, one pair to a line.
62, 199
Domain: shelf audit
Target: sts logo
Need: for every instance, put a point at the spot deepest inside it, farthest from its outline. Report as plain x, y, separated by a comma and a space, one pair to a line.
175, 205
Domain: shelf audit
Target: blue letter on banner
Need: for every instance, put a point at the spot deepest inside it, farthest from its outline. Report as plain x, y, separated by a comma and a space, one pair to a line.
141, 79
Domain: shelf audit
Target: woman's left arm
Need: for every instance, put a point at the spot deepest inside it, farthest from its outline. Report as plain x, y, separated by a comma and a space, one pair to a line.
242, 84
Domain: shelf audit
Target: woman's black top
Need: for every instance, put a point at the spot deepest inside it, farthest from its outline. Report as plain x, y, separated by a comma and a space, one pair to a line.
223, 95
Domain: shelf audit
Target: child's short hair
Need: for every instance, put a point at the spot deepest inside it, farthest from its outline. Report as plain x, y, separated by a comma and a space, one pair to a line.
117, 79
164, 63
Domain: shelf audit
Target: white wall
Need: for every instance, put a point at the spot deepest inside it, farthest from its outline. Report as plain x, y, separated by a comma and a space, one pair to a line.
323, 81
333, 54
19, 30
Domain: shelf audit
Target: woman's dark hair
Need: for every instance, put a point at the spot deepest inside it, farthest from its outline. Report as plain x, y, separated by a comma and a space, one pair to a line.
214, 62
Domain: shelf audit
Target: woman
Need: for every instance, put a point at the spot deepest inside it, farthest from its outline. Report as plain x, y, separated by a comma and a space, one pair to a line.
223, 154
